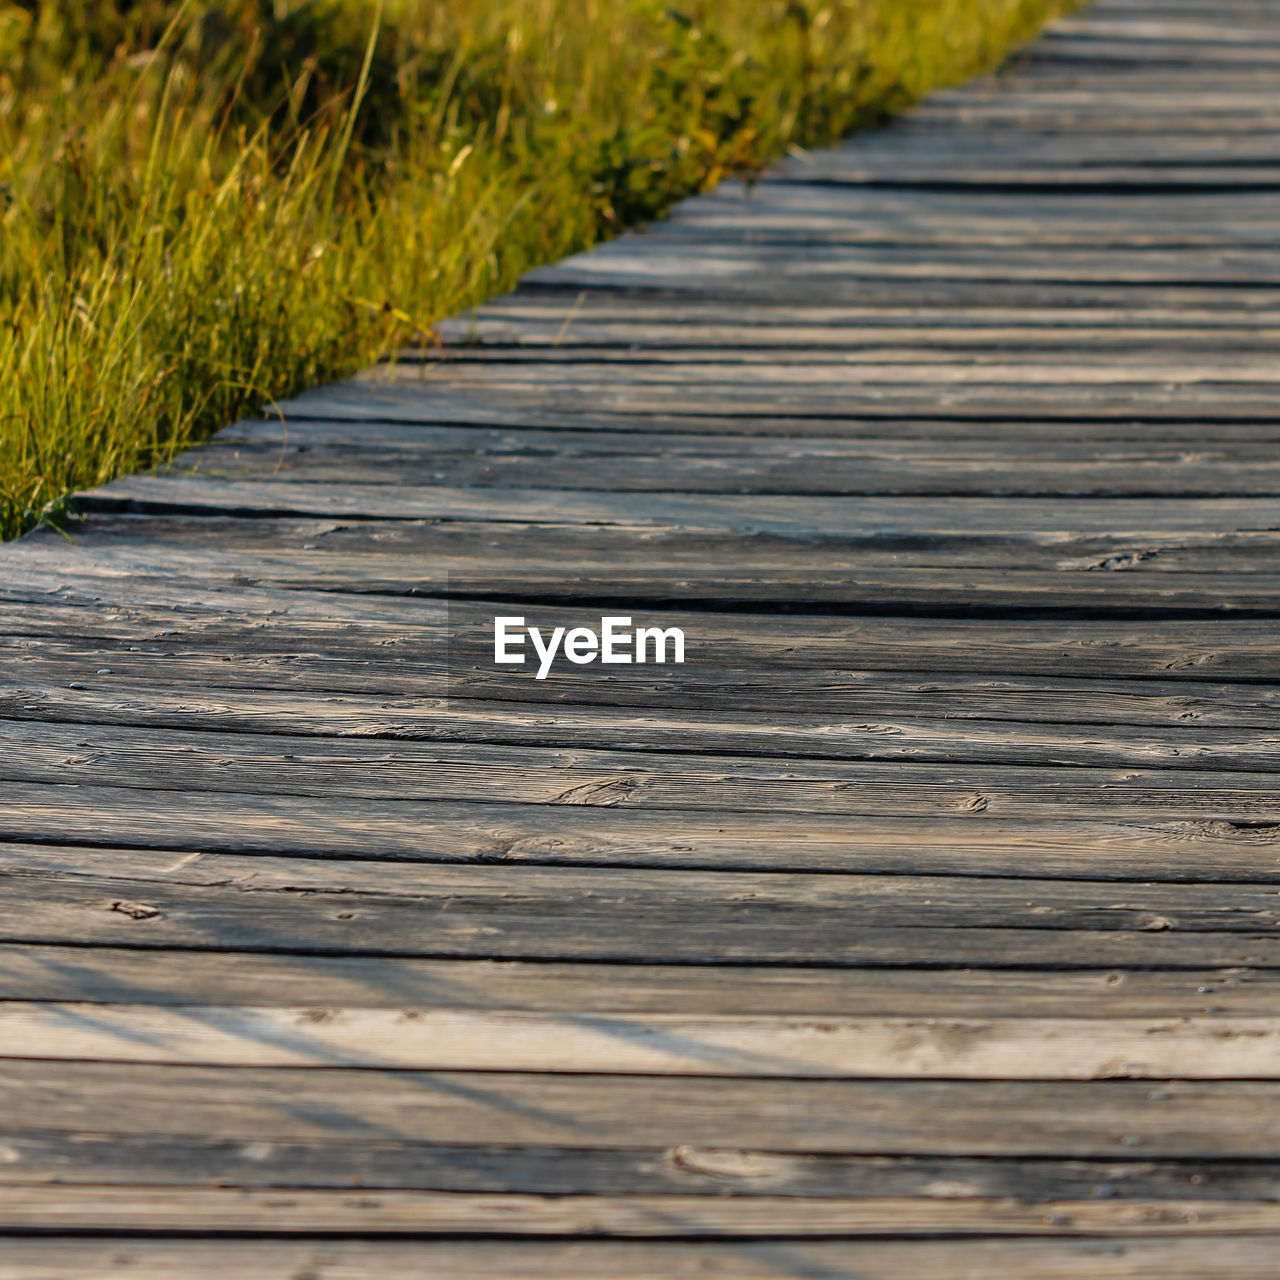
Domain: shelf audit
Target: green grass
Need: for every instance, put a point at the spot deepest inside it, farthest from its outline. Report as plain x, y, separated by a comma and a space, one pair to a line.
205, 207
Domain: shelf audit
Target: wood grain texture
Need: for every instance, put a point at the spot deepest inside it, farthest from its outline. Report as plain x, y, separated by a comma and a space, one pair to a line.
832, 1047
1095, 1120
320, 1213
105, 975
1227, 1258
924, 925
35, 1158
326, 906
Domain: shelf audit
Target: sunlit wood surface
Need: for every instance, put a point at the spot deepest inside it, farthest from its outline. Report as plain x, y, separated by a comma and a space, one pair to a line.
924, 926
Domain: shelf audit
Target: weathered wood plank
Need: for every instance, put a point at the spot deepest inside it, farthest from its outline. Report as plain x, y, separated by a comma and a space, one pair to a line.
410, 634
1036, 725
755, 513
942, 838
1224, 569
915, 143
409, 399
666, 566
235, 685
1112, 1119
720, 464
714, 345
1126, 1258
635, 259
589, 319
1051, 783
647, 721
324, 1035
870, 376
881, 900
617, 915
444, 718
946, 589
217, 1210
125, 1159
187, 545
838, 274
270, 980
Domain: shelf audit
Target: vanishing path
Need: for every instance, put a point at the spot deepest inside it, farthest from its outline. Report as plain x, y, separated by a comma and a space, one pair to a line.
923, 925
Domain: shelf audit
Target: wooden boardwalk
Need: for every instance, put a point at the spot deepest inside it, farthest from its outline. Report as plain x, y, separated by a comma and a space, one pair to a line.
924, 925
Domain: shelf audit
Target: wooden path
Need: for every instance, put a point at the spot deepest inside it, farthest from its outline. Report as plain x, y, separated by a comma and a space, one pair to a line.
924, 925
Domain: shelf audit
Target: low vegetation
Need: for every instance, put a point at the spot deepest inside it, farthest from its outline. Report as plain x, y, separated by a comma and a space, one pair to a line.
207, 206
